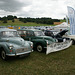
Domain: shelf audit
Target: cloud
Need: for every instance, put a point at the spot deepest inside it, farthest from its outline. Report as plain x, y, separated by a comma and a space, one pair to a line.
42, 8
13, 5
36, 8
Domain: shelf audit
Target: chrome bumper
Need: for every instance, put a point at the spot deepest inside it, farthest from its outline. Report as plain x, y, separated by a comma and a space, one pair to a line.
16, 54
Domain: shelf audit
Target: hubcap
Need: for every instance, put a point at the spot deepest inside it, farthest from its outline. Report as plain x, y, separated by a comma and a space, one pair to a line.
39, 48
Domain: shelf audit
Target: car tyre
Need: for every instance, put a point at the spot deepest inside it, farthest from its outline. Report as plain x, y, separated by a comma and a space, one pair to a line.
3, 55
73, 42
39, 48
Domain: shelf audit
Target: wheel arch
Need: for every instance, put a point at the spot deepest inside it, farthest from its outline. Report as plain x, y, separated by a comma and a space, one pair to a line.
39, 43
1, 48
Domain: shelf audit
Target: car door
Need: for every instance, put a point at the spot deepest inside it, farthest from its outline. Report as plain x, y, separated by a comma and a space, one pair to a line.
29, 35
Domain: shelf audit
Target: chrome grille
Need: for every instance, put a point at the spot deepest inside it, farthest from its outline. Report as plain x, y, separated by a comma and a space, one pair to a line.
21, 50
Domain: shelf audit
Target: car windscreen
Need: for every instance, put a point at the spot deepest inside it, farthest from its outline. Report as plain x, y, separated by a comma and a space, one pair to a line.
10, 34
39, 33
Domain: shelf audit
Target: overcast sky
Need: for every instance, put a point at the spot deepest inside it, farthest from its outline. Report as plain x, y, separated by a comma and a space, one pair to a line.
36, 8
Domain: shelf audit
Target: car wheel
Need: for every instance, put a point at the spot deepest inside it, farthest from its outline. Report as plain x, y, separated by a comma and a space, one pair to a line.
73, 42
3, 55
39, 48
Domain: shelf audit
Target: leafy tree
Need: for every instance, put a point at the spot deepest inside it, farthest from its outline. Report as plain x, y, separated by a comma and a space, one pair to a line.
4, 19
15, 17
43, 20
0, 18
10, 17
20, 19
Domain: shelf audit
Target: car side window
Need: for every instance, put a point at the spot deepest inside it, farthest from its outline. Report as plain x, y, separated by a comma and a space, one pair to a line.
1, 34
22, 33
19, 32
29, 33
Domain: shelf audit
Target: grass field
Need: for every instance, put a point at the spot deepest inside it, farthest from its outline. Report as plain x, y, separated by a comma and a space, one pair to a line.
58, 63
19, 23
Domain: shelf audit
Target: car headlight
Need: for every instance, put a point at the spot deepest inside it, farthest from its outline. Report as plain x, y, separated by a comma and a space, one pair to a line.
56, 40
31, 43
47, 42
11, 47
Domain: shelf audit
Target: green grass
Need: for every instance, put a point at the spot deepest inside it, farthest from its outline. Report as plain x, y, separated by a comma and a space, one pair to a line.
62, 20
19, 23
58, 63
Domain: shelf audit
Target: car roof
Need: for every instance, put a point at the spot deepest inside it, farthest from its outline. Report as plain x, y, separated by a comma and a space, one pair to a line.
29, 29
6, 29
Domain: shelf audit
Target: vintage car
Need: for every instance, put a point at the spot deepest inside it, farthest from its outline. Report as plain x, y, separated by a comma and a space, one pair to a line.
49, 33
11, 44
42, 42
58, 36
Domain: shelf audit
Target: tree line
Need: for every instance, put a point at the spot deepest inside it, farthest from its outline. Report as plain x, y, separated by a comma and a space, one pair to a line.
6, 18
42, 20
